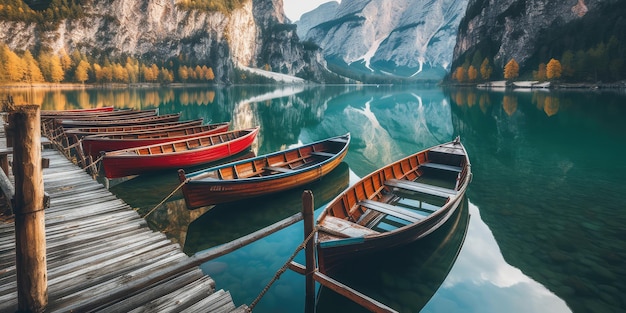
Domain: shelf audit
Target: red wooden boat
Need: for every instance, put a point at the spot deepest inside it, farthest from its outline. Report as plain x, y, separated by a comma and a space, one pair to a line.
120, 122
395, 205
177, 154
263, 174
94, 144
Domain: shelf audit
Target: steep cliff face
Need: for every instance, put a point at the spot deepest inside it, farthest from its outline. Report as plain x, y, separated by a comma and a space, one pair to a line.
157, 30
513, 29
280, 48
406, 38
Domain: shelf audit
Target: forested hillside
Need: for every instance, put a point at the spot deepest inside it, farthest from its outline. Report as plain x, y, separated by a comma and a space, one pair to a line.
591, 47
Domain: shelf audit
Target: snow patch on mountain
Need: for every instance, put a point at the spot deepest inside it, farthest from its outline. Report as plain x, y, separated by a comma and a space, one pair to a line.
407, 38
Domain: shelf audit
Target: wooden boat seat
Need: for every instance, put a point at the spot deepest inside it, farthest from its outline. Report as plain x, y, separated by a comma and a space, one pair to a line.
277, 169
419, 187
322, 154
343, 228
392, 210
444, 167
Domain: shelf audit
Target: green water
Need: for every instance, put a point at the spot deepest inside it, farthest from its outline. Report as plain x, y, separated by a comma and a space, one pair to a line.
542, 229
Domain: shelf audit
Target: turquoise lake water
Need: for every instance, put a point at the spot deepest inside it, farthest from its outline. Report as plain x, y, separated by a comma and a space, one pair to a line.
542, 228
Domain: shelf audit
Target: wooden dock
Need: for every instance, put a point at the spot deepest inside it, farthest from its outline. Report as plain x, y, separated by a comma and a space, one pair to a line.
102, 256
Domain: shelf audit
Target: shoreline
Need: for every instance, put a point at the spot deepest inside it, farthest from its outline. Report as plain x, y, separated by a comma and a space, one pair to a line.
482, 85
552, 86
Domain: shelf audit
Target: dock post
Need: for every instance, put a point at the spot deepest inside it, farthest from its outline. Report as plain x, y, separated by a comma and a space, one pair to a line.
309, 220
29, 205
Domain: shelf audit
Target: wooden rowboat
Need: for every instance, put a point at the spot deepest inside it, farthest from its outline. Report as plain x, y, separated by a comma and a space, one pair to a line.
68, 123
395, 205
94, 144
89, 110
104, 116
81, 132
177, 154
264, 174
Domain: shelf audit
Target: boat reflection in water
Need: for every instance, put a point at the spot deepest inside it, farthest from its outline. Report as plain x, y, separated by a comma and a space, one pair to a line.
404, 278
145, 192
229, 221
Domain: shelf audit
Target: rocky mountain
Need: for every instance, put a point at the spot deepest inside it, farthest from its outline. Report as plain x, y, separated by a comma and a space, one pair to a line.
533, 31
403, 38
257, 35
315, 17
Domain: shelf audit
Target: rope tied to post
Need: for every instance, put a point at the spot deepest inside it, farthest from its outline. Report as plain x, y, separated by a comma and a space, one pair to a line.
281, 270
168, 196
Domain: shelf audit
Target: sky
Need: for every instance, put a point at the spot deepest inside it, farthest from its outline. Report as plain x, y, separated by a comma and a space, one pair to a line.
295, 8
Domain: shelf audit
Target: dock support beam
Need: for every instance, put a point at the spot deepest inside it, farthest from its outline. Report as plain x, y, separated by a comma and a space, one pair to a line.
29, 205
309, 220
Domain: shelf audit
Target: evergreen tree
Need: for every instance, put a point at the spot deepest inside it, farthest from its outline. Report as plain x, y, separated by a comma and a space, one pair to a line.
540, 74
567, 64
486, 69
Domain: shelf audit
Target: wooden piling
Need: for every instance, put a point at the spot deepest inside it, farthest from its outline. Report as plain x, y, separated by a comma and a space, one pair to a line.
309, 220
30, 234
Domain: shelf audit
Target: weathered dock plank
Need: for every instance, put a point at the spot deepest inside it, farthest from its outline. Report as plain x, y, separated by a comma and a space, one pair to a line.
102, 256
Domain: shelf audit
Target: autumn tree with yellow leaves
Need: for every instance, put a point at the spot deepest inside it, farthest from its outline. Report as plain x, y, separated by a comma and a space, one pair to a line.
511, 70
553, 69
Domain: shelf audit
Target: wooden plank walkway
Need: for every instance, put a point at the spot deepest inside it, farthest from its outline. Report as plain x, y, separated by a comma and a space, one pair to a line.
102, 256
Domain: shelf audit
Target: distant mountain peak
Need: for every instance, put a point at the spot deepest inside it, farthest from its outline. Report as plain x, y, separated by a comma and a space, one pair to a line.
404, 38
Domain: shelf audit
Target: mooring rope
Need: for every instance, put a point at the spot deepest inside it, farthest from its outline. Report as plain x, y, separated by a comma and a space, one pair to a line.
94, 162
74, 145
169, 196
281, 270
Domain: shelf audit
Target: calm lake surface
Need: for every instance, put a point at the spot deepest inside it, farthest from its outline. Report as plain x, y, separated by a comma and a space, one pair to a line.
543, 227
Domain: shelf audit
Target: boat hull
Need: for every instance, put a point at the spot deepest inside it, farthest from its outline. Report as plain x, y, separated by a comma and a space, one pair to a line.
204, 192
121, 163
94, 145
